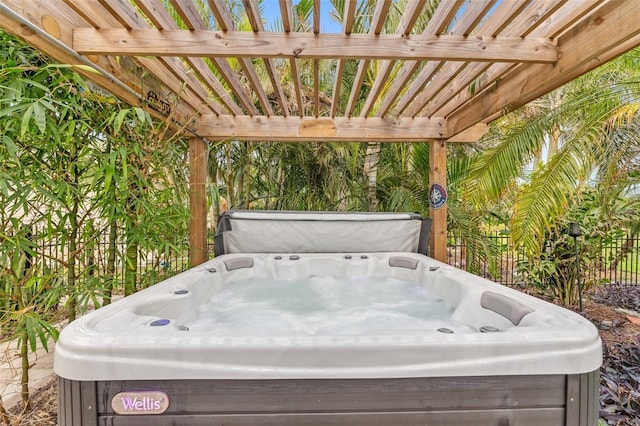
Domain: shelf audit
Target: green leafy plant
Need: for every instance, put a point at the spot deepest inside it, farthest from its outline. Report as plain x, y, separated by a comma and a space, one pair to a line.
31, 312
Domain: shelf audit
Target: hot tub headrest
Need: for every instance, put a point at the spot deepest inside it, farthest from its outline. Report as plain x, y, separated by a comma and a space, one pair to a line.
266, 231
509, 308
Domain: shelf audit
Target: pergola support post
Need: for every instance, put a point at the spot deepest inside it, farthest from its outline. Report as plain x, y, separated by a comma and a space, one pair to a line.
438, 198
197, 201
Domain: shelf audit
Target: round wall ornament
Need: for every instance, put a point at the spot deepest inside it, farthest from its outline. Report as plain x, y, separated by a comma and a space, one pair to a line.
437, 196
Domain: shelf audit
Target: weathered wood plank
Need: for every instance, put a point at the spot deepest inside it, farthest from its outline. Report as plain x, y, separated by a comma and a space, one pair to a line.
439, 74
527, 23
381, 11
170, 71
582, 399
607, 33
570, 400
472, 134
120, 82
291, 128
225, 21
197, 201
438, 212
409, 18
195, 22
241, 44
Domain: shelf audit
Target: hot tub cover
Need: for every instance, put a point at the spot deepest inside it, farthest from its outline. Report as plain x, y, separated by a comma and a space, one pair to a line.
265, 231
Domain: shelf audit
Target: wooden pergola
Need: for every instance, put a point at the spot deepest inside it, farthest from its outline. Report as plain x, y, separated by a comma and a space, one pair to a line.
474, 61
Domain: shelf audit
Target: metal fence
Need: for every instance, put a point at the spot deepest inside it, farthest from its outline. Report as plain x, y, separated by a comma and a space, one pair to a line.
505, 260
617, 260
619, 263
621, 260
152, 265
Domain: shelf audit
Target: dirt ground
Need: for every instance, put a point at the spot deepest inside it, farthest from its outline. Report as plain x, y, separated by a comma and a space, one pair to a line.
615, 327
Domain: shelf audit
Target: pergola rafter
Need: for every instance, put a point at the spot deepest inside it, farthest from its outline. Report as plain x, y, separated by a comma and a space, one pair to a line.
167, 43
411, 75
438, 71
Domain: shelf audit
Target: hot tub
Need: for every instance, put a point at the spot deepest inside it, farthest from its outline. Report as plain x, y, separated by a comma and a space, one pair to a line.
337, 331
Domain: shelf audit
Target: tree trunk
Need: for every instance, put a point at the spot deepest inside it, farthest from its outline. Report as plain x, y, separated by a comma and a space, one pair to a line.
627, 247
73, 236
215, 199
280, 182
72, 303
19, 305
247, 190
131, 261
131, 244
24, 379
111, 262
371, 174
554, 143
229, 177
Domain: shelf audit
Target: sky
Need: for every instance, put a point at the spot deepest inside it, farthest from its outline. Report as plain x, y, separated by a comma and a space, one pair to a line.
271, 10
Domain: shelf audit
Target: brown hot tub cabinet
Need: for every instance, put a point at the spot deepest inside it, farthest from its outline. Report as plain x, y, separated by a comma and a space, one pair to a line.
499, 357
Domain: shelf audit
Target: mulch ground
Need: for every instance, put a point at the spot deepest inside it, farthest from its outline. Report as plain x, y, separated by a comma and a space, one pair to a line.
614, 326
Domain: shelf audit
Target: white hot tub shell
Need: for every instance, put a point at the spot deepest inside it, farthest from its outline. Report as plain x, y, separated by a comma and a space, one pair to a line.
516, 359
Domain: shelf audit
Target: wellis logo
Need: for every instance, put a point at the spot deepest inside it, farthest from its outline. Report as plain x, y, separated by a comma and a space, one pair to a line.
151, 402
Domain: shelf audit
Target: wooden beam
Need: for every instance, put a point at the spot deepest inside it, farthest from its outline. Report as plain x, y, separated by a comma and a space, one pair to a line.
446, 76
438, 198
438, 74
472, 134
316, 16
163, 21
253, 12
123, 82
194, 22
349, 16
605, 34
347, 26
408, 20
454, 76
437, 24
515, 21
171, 71
197, 201
466, 82
242, 44
375, 26
287, 24
344, 129
225, 21
316, 88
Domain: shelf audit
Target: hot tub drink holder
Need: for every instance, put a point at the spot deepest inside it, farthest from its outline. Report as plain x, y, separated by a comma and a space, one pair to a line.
502, 357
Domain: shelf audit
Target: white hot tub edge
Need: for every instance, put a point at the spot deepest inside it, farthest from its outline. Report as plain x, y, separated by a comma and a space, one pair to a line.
118, 343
